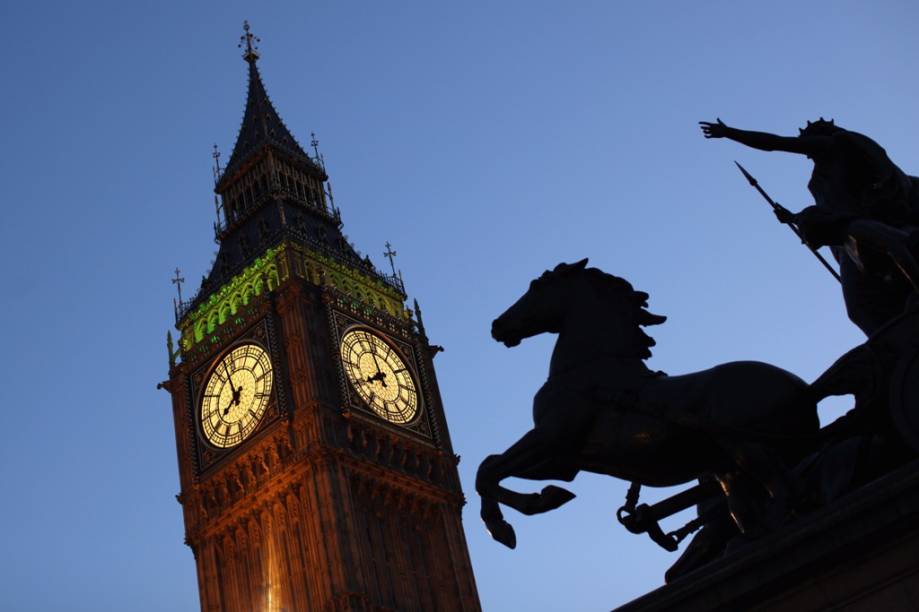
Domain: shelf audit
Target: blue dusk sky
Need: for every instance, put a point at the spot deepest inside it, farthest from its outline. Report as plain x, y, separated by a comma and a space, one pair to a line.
487, 142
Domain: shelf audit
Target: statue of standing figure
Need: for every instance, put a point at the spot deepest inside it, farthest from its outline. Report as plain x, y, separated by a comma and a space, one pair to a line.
866, 210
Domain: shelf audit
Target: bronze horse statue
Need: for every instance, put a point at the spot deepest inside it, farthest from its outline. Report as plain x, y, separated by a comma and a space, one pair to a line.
602, 410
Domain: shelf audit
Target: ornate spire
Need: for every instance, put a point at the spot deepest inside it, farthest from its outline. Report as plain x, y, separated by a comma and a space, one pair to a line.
261, 125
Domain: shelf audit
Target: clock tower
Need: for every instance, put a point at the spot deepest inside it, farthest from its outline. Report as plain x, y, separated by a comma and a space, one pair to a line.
315, 465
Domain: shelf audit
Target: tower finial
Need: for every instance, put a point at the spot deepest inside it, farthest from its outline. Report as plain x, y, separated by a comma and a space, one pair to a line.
317, 156
389, 254
216, 155
177, 281
314, 142
419, 319
170, 350
217, 171
250, 40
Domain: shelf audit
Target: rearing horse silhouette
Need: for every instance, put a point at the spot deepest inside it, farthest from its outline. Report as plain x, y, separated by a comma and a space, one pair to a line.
602, 410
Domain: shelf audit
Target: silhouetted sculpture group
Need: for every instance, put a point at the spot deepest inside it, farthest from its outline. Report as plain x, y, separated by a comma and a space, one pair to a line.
746, 434
865, 208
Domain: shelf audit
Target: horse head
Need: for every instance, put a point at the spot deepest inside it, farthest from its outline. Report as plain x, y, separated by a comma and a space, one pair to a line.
541, 309
602, 298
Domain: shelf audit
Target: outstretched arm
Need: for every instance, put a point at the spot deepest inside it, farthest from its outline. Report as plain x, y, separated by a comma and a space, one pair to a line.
805, 145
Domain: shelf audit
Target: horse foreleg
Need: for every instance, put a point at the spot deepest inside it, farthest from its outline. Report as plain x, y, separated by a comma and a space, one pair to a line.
529, 457
551, 496
494, 521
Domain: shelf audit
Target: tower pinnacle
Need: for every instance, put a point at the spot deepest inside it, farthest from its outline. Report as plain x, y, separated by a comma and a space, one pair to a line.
261, 123
249, 40
389, 254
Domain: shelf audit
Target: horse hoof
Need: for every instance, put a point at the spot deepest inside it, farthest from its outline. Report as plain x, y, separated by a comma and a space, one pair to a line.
550, 498
553, 497
501, 531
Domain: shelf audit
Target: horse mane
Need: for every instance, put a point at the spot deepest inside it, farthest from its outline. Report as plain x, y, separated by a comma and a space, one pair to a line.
616, 288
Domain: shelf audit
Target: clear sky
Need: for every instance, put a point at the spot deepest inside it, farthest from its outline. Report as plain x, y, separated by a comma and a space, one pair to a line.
487, 142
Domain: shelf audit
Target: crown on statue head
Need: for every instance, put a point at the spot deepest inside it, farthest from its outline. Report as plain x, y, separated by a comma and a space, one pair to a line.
819, 127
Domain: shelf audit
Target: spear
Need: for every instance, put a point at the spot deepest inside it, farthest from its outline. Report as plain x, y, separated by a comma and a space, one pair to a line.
778, 208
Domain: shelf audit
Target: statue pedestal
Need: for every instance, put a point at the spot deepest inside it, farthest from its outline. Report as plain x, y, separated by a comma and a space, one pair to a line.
860, 554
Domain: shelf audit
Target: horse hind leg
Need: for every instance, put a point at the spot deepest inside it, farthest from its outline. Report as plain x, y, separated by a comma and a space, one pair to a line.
740, 503
718, 528
757, 472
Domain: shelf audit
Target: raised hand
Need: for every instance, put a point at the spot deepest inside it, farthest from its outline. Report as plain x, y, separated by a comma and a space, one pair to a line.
714, 130
784, 215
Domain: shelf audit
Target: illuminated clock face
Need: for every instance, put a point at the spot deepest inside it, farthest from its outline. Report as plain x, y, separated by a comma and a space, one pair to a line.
379, 376
236, 395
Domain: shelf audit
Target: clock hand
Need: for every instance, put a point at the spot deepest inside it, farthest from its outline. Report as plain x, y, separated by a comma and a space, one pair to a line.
237, 398
380, 376
229, 378
236, 392
373, 351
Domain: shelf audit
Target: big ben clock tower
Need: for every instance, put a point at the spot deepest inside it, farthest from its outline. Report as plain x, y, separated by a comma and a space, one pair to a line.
315, 465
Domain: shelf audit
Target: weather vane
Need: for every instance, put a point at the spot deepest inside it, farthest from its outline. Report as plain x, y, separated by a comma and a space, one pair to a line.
250, 40
389, 254
177, 281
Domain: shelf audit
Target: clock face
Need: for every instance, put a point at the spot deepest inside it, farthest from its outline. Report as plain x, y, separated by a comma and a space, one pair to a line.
236, 395
379, 376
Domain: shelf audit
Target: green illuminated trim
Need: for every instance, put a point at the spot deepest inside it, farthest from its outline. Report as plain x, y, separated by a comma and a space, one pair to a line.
273, 268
